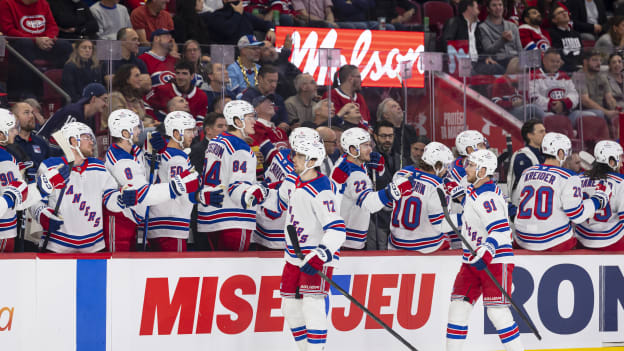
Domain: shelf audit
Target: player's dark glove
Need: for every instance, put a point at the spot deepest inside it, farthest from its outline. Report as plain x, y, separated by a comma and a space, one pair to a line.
127, 198
184, 183
254, 195
485, 253
158, 143
399, 187
601, 196
210, 196
512, 209
377, 162
314, 261
341, 172
49, 221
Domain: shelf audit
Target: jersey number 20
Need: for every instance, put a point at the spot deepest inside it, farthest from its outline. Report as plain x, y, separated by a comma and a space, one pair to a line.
543, 202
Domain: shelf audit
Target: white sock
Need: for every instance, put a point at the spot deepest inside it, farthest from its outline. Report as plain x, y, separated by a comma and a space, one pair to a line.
293, 313
316, 322
507, 328
457, 328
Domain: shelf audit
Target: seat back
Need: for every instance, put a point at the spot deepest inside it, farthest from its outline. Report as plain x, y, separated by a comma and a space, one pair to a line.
52, 100
591, 129
559, 124
438, 12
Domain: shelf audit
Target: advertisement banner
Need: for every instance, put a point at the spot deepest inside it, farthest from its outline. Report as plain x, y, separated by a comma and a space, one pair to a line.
377, 53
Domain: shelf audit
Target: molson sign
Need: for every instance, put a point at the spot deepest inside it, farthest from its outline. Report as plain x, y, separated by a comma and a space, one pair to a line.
377, 53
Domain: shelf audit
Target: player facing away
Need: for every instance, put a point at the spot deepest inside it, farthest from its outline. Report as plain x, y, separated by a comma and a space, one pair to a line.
417, 218
78, 225
551, 199
126, 163
358, 198
231, 162
313, 211
486, 228
605, 230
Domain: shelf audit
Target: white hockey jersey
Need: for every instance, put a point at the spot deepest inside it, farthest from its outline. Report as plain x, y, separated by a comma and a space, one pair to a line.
418, 217
545, 89
171, 218
9, 172
550, 200
88, 187
313, 212
231, 162
358, 202
485, 216
456, 174
607, 225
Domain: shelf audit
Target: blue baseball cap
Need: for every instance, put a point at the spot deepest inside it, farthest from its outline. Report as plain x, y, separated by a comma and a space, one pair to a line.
160, 31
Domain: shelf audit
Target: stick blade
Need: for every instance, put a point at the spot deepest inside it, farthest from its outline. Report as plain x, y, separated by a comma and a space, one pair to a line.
63, 143
442, 197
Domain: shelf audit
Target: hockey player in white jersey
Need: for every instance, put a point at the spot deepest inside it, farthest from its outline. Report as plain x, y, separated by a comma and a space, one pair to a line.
605, 230
551, 199
126, 163
417, 222
78, 225
486, 228
358, 198
231, 162
321, 231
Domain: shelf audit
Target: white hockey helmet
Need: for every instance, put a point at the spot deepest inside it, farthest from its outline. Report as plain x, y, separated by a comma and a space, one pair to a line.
123, 119
355, 137
302, 134
78, 131
468, 138
237, 109
553, 142
607, 149
437, 152
484, 159
312, 149
180, 121
8, 122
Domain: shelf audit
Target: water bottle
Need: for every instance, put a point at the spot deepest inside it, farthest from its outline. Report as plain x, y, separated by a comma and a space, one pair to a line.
426, 24
276, 16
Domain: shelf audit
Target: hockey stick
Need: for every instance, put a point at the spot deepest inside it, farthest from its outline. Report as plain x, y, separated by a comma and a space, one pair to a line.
154, 152
524, 316
63, 143
294, 239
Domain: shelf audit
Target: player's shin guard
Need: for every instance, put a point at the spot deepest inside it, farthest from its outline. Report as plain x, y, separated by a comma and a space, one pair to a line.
316, 322
293, 312
508, 331
457, 328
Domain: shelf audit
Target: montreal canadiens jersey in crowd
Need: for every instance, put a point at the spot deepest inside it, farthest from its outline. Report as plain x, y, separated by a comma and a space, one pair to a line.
161, 69
546, 88
485, 215
171, 218
231, 162
9, 172
418, 217
314, 214
89, 186
607, 225
533, 38
270, 222
358, 201
550, 198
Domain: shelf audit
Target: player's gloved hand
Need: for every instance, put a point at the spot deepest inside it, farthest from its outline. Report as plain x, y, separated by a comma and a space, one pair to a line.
49, 221
158, 143
399, 187
210, 196
127, 198
26, 168
254, 195
601, 195
184, 183
376, 163
512, 210
15, 193
314, 261
453, 189
485, 253
341, 172
54, 178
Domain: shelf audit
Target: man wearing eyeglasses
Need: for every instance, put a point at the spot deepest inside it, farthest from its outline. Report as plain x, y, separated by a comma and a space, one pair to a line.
565, 38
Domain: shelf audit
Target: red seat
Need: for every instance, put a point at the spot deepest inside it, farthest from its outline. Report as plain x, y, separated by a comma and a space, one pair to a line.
52, 100
416, 17
171, 7
438, 12
588, 44
559, 124
592, 129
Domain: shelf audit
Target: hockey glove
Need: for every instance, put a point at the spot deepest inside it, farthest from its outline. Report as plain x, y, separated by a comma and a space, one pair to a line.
454, 190
49, 221
314, 261
27, 170
158, 143
399, 187
53, 178
127, 198
210, 196
512, 210
485, 253
376, 163
601, 196
254, 195
184, 183
15, 193
341, 173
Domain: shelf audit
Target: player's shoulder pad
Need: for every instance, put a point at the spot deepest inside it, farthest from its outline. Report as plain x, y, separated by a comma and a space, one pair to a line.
94, 164
560, 171
6, 156
617, 178
172, 152
318, 185
116, 154
232, 143
489, 187
54, 161
430, 179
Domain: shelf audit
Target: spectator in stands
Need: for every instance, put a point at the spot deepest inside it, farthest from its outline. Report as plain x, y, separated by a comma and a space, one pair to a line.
129, 50
330, 142
615, 77
216, 88
192, 53
189, 24
94, 101
214, 125
149, 18
211, 6
573, 163
417, 148
388, 9
220, 103
299, 106
81, 68
595, 93
111, 17
552, 90
315, 13
230, 23
390, 110
500, 38
73, 19
533, 132
35, 147
464, 27
566, 39
31, 19
507, 94
613, 40
179, 86
178, 103
588, 17
354, 14
127, 81
265, 129
514, 10
267, 82
244, 72
532, 37
321, 113
287, 72
286, 10
36, 109
545, 9
349, 116
347, 87
159, 61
